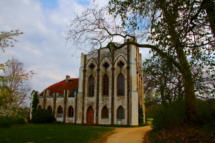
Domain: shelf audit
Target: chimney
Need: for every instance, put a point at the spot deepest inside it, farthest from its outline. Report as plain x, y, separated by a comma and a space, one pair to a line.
67, 78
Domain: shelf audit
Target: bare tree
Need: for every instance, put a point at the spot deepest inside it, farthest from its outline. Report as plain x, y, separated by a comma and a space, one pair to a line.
95, 27
15, 79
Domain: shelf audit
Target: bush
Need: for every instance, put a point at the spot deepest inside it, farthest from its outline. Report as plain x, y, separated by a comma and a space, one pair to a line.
43, 116
173, 114
150, 110
206, 112
169, 115
8, 121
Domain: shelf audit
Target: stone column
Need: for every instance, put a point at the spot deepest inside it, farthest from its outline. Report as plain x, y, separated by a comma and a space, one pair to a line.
76, 107
128, 86
80, 108
143, 104
44, 100
65, 105
112, 88
133, 86
97, 93
54, 104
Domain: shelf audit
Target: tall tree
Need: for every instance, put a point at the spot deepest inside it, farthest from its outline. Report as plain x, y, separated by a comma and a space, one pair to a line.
173, 34
166, 27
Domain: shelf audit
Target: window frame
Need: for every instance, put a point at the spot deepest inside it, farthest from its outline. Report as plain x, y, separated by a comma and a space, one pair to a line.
120, 85
70, 112
104, 113
105, 85
91, 86
120, 113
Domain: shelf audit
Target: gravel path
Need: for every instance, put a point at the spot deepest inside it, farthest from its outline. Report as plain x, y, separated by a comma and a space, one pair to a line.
128, 135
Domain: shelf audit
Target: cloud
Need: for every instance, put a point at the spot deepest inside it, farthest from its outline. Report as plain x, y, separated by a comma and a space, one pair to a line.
42, 48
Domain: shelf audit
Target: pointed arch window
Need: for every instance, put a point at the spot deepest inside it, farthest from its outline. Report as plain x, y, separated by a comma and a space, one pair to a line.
70, 112
120, 113
105, 85
39, 107
91, 86
91, 66
106, 65
59, 111
120, 64
120, 85
49, 108
104, 112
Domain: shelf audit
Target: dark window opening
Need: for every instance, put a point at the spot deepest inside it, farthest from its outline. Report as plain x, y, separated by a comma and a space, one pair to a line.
120, 113
120, 64
120, 85
59, 111
104, 112
92, 66
49, 108
91, 86
105, 85
70, 112
106, 65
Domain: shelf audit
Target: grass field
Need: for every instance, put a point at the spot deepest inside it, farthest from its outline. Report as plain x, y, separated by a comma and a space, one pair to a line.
51, 133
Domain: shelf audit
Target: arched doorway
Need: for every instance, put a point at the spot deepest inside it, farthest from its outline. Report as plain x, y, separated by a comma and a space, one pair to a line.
90, 115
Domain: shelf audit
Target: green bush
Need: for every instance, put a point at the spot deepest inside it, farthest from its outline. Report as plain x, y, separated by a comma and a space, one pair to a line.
150, 110
206, 112
43, 116
8, 121
169, 115
173, 114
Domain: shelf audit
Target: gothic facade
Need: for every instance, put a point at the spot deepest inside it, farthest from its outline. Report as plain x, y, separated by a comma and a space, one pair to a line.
109, 90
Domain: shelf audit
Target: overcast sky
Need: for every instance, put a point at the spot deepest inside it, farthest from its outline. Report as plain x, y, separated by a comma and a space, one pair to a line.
43, 48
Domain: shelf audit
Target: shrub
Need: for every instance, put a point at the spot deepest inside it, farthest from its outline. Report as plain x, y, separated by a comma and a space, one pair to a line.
150, 110
7, 121
169, 115
206, 112
173, 114
42, 116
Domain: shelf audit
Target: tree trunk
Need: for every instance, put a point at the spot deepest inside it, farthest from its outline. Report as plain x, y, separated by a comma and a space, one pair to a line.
163, 100
190, 100
209, 6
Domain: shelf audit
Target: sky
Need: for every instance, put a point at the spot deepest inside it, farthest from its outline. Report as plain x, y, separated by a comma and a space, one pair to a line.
43, 48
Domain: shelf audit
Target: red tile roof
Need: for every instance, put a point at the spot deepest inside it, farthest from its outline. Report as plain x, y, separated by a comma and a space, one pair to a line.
63, 85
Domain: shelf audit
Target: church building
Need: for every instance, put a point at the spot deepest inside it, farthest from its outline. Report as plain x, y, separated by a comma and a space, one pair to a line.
109, 90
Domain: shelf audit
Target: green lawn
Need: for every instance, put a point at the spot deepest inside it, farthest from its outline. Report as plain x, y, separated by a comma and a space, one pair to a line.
51, 133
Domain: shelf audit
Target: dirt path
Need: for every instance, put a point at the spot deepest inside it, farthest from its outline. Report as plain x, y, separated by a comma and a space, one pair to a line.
128, 135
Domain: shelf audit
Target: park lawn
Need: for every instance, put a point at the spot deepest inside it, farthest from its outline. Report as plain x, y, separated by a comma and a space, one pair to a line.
51, 133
